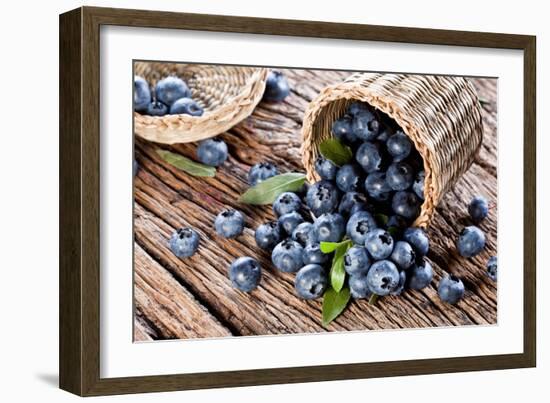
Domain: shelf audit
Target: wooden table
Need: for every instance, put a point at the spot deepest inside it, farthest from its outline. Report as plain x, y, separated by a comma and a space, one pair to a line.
193, 298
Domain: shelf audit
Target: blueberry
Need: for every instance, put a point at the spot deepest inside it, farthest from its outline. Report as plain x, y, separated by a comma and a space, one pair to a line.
359, 225
268, 235
287, 256
314, 255
212, 152
356, 260
142, 94
329, 227
406, 204
369, 156
276, 87
170, 89
400, 176
303, 234
451, 289
377, 187
365, 126
471, 241
290, 221
492, 267
322, 197
341, 129
285, 203
156, 108
478, 209
401, 285
358, 107
383, 277
186, 106
229, 223
399, 146
245, 273
420, 274
311, 281
260, 172
385, 133
135, 167
184, 242
379, 243
358, 286
418, 239
349, 178
352, 202
397, 224
325, 168
418, 184
403, 255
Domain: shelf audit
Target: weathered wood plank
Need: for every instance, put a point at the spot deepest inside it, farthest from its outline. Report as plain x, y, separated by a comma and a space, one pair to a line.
169, 306
167, 198
142, 330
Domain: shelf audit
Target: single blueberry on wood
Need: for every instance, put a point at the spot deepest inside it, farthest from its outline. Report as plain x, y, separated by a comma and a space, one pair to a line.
450, 289
276, 87
471, 241
492, 268
478, 209
245, 273
229, 223
184, 242
212, 152
311, 281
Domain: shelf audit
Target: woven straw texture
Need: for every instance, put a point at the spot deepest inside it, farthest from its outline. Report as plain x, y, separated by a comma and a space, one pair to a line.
228, 95
440, 114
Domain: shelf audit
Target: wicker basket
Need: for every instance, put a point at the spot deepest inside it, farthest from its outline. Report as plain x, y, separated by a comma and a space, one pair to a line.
228, 95
440, 114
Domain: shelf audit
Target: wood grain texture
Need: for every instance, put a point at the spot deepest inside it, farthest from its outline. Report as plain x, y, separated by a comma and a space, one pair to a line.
166, 199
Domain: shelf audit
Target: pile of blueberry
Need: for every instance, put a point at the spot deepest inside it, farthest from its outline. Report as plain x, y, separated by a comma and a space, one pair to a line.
171, 96
367, 204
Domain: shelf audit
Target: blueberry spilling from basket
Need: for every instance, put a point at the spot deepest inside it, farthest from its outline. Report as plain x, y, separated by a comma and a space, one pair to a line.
171, 95
351, 233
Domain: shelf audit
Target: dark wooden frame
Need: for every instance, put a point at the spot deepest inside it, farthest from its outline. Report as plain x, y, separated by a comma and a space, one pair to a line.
79, 200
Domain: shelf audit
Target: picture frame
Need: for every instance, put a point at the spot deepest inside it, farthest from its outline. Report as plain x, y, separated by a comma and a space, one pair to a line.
80, 154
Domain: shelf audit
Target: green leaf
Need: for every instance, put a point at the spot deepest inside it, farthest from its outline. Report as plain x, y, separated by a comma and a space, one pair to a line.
373, 298
329, 247
337, 271
334, 304
186, 165
267, 191
393, 231
332, 149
